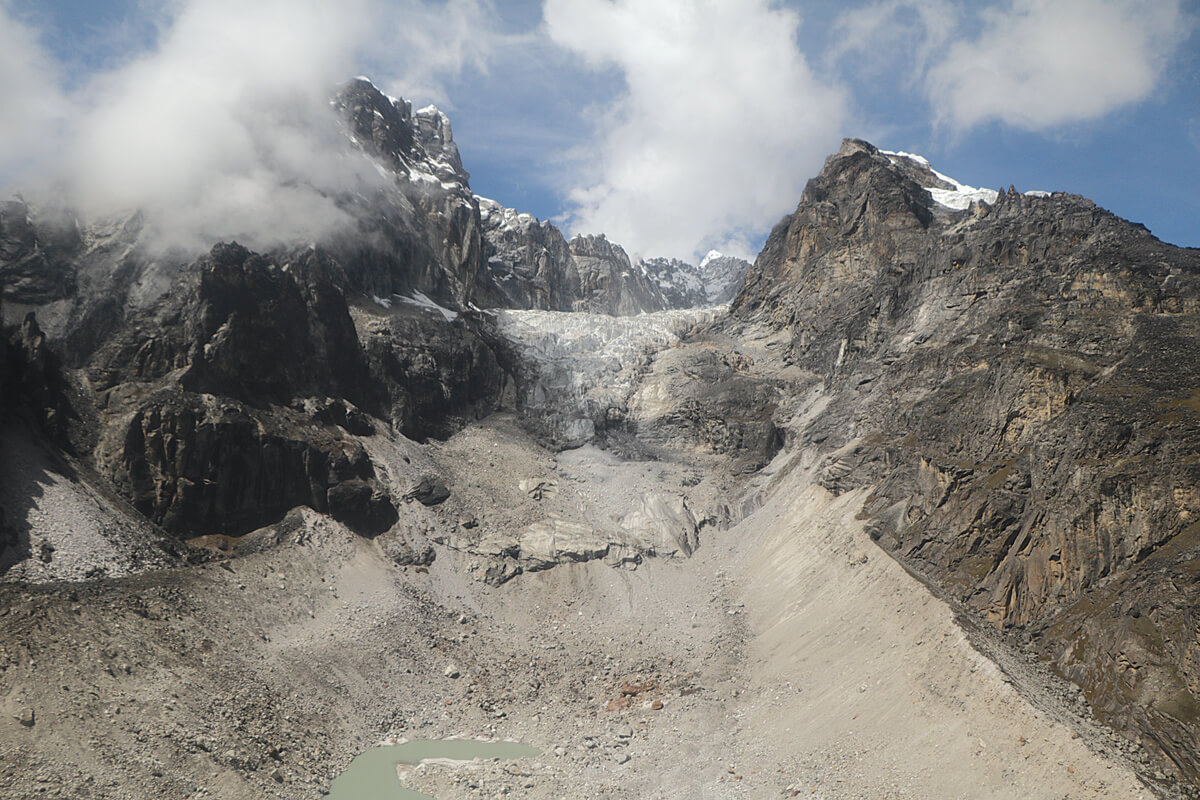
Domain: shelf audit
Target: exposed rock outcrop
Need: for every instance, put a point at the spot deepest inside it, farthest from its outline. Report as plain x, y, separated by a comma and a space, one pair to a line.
437, 373
36, 254
705, 394
1017, 382
33, 385
198, 465
528, 260
609, 282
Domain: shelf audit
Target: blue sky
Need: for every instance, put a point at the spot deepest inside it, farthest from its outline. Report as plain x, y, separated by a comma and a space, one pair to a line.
672, 125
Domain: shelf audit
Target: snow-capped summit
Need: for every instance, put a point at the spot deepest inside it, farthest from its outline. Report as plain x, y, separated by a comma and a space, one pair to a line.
416, 145
942, 188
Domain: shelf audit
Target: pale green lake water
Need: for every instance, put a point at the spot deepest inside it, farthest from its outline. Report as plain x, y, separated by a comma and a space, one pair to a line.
372, 775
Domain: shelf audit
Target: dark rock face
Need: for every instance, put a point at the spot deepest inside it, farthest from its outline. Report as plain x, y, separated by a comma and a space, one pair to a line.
225, 402
437, 374
196, 427
33, 384
196, 465
608, 281
4, 366
238, 323
1018, 383
421, 233
528, 260
36, 253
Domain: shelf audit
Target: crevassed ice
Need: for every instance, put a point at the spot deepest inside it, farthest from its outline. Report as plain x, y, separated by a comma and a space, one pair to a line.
587, 364
585, 337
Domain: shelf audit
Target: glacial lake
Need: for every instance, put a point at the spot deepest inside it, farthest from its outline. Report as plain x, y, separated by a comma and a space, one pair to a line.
372, 775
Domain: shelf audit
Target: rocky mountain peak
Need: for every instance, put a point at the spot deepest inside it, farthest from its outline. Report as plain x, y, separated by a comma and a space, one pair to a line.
678, 281
434, 133
721, 276
532, 266
383, 126
991, 364
528, 261
598, 246
418, 145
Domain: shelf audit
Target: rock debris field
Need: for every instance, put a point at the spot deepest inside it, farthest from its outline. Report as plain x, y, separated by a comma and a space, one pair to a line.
786, 657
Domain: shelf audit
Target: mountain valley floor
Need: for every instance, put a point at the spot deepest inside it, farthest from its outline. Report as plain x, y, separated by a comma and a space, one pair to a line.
789, 656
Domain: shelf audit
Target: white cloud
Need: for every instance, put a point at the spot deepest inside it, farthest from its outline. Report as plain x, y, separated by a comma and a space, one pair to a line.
430, 44
721, 123
876, 36
33, 106
224, 130
1038, 64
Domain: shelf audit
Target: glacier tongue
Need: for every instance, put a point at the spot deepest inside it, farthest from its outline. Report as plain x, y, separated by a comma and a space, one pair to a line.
578, 370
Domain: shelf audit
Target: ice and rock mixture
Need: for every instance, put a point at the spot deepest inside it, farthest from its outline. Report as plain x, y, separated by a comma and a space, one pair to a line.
264, 510
945, 190
580, 370
534, 267
722, 276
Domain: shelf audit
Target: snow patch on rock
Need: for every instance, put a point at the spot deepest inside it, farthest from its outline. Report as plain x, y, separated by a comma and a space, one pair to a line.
959, 197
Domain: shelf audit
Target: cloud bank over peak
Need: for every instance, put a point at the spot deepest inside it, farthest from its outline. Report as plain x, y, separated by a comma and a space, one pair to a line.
673, 126
222, 128
720, 122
